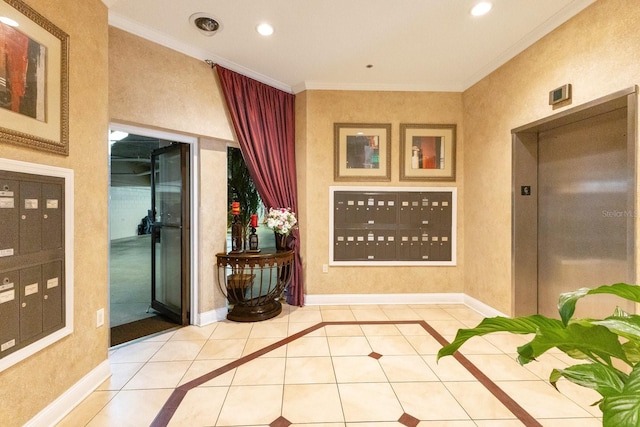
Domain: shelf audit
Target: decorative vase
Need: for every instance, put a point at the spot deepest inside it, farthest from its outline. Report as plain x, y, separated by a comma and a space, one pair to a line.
281, 242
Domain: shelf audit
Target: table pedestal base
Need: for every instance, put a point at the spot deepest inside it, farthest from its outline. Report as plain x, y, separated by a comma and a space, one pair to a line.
255, 313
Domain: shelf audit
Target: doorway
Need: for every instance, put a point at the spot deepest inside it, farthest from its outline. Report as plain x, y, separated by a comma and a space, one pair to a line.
150, 232
573, 202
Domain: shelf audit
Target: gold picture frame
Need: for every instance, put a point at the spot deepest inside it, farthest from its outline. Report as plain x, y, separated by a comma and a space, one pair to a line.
34, 92
362, 152
427, 152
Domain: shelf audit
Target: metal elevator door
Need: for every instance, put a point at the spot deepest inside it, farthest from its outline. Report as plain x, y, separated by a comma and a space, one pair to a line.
583, 212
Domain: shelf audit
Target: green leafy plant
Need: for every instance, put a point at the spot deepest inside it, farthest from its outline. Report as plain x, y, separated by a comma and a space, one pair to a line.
241, 188
608, 349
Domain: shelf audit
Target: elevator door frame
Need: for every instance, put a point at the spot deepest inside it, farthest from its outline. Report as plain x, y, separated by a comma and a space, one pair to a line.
524, 207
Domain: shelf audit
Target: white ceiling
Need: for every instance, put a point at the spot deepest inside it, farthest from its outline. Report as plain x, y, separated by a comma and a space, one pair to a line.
424, 45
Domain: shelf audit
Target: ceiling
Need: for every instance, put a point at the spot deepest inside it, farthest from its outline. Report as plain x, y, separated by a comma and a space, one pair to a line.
414, 45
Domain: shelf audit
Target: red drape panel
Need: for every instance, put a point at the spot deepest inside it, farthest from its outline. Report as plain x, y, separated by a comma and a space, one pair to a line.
264, 122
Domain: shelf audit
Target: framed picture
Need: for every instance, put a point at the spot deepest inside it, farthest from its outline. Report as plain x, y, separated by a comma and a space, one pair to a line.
34, 88
427, 152
362, 152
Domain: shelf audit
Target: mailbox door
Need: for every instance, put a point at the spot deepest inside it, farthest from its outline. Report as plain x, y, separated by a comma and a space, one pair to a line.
52, 217
9, 217
30, 217
9, 312
52, 304
30, 303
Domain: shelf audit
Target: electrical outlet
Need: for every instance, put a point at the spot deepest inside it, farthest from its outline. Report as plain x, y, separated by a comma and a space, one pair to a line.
99, 317
325, 268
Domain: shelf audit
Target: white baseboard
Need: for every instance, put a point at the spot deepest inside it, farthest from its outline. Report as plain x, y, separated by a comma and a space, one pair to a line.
212, 316
436, 298
482, 308
71, 398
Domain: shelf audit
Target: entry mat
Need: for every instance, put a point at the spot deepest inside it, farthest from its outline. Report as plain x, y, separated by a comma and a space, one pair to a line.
140, 328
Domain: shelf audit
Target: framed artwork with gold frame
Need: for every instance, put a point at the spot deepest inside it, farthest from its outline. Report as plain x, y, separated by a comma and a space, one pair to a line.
34, 80
427, 152
362, 152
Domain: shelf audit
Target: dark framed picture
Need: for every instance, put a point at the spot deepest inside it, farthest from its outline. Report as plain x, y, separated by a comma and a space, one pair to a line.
34, 81
362, 152
427, 152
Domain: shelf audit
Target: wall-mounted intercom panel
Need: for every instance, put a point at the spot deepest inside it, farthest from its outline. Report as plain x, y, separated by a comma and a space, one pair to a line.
392, 226
34, 290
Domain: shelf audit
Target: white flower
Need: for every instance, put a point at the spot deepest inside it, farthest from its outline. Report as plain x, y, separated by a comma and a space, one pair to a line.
281, 220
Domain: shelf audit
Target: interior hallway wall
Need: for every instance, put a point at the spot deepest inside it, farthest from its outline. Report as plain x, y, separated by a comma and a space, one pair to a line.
597, 52
316, 112
154, 87
31, 385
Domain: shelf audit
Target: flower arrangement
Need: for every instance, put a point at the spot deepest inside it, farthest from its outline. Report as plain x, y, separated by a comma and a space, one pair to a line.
281, 220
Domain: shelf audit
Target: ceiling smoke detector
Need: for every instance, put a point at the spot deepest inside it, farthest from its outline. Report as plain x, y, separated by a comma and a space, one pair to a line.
205, 23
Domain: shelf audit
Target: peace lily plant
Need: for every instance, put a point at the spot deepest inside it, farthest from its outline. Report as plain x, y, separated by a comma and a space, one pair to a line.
608, 349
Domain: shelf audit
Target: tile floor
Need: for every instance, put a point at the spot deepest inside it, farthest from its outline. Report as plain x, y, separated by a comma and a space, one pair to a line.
375, 366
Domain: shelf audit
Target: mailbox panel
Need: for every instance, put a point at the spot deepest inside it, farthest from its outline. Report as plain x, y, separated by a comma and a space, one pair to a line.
403, 226
9, 312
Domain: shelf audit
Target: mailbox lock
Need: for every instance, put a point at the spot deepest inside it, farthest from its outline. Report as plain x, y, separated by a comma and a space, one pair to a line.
24, 217
6, 187
46, 297
45, 216
5, 280
24, 304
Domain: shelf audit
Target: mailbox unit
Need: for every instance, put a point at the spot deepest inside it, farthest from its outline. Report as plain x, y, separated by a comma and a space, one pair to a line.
392, 226
35, 294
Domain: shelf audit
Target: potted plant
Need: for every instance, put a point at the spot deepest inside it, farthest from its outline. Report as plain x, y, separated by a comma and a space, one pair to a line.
610, 347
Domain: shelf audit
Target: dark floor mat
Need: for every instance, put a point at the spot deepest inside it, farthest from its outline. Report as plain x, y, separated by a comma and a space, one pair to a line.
140, 328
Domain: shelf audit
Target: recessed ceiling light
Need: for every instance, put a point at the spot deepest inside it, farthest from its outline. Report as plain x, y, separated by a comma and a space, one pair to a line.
481, 8
205, 23
264, 29
8, 21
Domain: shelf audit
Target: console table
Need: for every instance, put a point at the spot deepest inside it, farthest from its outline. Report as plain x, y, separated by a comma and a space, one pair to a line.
253, 282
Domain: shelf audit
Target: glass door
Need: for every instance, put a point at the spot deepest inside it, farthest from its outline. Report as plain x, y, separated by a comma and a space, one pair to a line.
170, 245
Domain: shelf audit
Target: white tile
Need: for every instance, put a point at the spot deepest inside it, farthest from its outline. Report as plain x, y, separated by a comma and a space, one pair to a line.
369, 402
132, 408
251, 405
312, 403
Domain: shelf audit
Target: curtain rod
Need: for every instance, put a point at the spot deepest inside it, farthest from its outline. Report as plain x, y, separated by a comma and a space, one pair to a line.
210, 62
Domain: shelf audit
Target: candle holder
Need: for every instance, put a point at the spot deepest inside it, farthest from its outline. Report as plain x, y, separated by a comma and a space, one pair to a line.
253, 241
236, 235
253, 237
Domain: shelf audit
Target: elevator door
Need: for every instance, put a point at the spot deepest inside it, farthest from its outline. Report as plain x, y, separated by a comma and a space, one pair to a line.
583, 211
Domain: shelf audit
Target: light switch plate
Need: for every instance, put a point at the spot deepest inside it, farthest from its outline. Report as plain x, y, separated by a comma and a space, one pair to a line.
99, 317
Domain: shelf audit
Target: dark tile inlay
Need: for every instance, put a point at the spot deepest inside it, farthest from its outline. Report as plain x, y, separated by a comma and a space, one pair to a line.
166, 413
280, 422
408, 420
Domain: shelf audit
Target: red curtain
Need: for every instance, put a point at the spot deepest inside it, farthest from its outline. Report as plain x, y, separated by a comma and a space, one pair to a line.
264, 122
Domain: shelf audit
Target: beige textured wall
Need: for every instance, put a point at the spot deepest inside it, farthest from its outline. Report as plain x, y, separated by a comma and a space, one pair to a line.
29, 386
597, 52
317, 111
154, 87
212, 210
